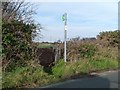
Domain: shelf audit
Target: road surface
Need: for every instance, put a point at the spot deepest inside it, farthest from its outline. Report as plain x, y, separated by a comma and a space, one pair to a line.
107, 79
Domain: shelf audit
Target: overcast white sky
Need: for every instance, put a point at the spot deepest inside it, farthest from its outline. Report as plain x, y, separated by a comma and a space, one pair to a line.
85, 19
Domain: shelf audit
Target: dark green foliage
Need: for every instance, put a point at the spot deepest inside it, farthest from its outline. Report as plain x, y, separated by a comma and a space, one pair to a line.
16, 42
87, 50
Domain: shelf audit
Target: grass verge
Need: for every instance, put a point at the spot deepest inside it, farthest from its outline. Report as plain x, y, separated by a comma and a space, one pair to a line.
30, 77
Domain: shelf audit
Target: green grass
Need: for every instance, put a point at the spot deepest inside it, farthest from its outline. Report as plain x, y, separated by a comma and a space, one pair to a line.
24, 77
44, 46
83, 67
27, 77
34, 76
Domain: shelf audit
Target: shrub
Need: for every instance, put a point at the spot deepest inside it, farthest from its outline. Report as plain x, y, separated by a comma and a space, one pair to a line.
16, 42
109, 38
87, 50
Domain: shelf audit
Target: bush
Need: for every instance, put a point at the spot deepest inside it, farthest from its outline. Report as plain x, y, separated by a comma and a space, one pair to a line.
87, 50
109, 38
16, 43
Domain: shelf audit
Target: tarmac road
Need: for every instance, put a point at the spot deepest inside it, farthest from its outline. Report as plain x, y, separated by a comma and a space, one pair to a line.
107, 79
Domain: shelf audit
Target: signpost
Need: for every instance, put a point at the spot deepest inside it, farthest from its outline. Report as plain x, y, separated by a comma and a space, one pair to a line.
64, 18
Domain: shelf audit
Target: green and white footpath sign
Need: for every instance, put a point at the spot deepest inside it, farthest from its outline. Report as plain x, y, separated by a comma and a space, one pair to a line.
64, 18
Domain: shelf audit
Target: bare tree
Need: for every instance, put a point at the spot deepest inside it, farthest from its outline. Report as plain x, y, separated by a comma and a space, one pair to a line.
19, 10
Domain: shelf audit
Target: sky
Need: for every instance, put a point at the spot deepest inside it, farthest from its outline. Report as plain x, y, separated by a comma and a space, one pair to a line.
84, 19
